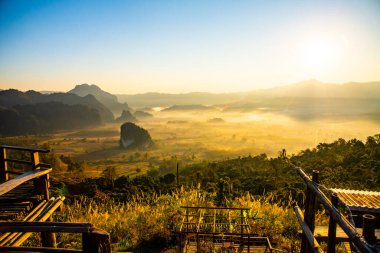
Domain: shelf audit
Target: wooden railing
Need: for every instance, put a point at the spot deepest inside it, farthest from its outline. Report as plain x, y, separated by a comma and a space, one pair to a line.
13, 234
93, 240
307, 221
34, 162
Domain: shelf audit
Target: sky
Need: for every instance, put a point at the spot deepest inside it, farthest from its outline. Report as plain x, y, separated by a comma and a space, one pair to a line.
173, 46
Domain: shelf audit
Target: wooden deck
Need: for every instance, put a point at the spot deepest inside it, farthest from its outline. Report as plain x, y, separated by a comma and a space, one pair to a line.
191, 247
321, 233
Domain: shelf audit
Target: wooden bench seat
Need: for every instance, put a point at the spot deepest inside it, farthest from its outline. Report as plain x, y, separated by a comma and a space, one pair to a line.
40, 213
18, 196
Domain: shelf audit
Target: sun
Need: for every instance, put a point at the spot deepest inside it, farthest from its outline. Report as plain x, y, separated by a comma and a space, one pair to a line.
320, 56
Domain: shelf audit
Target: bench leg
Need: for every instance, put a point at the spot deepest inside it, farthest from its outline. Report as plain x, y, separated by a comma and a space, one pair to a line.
48, 239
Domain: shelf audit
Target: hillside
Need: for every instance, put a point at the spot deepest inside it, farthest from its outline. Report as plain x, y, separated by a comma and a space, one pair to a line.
43, 118
316, 89
12, 97
154, 99
107, 99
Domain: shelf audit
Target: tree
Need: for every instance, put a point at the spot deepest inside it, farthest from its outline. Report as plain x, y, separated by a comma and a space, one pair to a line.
110, 175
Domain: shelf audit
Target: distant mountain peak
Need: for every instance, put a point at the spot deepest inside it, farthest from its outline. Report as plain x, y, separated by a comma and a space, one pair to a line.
106, 98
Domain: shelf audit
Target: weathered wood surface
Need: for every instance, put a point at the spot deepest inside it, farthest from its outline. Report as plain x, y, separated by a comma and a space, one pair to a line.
348, 228
13, 183
321, 232
36, 226
15, 233
40, 150
314, 245
37, 249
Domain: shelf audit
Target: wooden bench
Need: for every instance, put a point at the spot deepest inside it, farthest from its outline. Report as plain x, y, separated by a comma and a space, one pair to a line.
93, 240
26, 197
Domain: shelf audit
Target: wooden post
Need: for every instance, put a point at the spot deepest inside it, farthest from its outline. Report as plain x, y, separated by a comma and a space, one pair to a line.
310, 205
187, 219
48, 239
241, 223
177, 176
369, 228
248, 244
332, 227
35, 160
180, 243
41, 185
197, 239
3, 165
97, 241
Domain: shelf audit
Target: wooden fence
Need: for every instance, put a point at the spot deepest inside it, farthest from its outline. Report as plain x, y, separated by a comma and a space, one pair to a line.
307, 221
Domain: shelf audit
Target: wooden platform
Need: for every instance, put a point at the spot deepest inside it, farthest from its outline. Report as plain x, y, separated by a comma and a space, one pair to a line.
321, 233
191, 247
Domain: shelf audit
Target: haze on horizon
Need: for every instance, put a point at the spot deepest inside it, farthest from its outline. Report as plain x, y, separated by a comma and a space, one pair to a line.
184, 46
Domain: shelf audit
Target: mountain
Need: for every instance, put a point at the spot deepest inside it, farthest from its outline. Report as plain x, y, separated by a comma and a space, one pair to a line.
126, 116
42, 118
309, 88
313, 99
12, 97
316, 89
153, 99
109, 100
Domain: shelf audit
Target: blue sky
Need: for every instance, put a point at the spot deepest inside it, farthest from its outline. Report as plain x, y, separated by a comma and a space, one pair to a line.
181, 46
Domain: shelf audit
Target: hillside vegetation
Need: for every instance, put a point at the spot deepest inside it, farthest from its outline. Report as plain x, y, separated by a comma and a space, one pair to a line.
143, 211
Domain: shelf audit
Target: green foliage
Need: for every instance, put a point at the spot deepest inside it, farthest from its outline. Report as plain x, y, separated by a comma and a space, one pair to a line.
341, 164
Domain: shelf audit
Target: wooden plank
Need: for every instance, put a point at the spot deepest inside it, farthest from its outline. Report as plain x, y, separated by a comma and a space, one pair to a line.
35, 226
37, 249
25, 149
314, 245
321, 232
13, 183
218, 208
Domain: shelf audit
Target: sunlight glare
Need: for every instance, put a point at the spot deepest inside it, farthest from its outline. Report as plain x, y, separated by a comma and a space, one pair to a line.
320, 56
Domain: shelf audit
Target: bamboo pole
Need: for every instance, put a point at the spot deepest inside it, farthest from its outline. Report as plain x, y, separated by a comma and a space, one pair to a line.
16, 236
314, 245
8, 236
46, 213
347, 227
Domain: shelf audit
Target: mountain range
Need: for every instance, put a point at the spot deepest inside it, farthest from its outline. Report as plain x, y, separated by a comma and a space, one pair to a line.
88, 105
305, 89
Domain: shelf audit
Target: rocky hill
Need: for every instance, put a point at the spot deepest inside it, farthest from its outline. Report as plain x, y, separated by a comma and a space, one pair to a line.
107, 99
133, 136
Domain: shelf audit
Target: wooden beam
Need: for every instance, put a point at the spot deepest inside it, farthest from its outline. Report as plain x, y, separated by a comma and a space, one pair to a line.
97, 241
25, 149
332, 227
13, 183
315, 247
347, 227
3, 165
35, 226
37, 249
